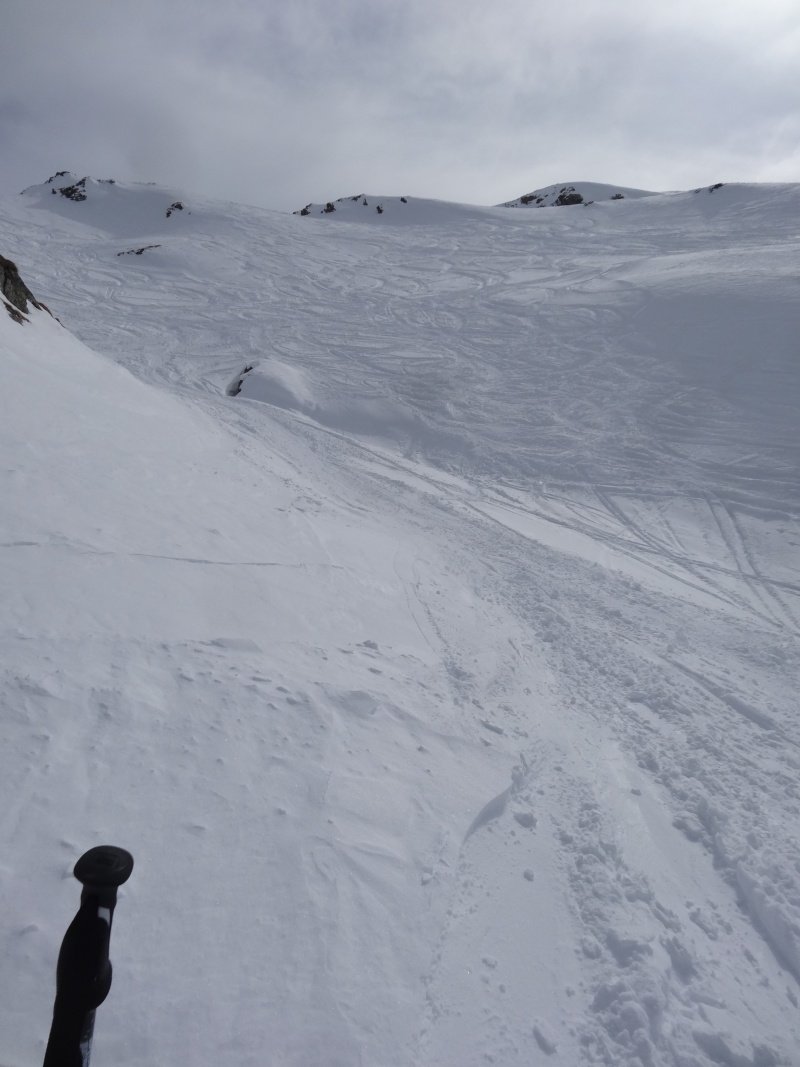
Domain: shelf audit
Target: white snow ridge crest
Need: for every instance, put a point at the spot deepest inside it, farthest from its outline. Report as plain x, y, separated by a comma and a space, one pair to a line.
416, 594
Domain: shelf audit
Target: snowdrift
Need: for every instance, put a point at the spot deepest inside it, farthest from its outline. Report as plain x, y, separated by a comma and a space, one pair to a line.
287, 387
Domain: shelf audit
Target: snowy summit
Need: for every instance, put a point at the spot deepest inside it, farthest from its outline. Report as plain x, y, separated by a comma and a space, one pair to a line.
131, 208
578, 193
418, 599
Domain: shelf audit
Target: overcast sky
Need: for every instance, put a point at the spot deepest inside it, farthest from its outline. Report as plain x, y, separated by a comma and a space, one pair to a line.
280, 102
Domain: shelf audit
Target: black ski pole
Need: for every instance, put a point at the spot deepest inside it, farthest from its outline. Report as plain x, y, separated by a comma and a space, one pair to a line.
83, 974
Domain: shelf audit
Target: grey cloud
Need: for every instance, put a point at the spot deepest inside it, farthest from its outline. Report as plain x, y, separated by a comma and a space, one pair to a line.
279, 103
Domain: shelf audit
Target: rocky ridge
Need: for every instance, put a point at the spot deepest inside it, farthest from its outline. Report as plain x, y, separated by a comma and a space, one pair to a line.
16, 294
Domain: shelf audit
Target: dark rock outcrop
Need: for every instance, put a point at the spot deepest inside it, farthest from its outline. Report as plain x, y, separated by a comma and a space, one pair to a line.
137, 251
74, 192
16, 291
63, 185
567, 197
235, 386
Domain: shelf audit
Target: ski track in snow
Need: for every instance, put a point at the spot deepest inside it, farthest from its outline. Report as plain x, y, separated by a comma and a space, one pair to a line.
474, 741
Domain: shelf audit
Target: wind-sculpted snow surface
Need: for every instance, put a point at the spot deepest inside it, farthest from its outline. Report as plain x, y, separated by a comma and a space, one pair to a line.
418, 599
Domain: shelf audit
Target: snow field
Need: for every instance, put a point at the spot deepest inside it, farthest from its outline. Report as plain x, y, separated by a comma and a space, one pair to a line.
443, 681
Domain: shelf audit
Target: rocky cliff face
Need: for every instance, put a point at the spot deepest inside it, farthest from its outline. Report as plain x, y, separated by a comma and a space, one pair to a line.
16, 292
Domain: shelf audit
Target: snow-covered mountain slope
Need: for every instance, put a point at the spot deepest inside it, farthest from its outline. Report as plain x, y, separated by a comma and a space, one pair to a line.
122, 210
395, 210
443, 679
572, 193
366, 207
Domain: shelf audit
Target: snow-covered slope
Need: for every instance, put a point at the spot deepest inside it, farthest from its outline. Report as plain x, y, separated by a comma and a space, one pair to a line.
421, 607
572, 193
394, 210
123, 210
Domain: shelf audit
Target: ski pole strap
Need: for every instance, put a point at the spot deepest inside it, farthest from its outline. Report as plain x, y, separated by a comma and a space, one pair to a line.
83, 974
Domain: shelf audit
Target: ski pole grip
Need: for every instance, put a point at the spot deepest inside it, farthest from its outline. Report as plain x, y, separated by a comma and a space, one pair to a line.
101, 871
83, 974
